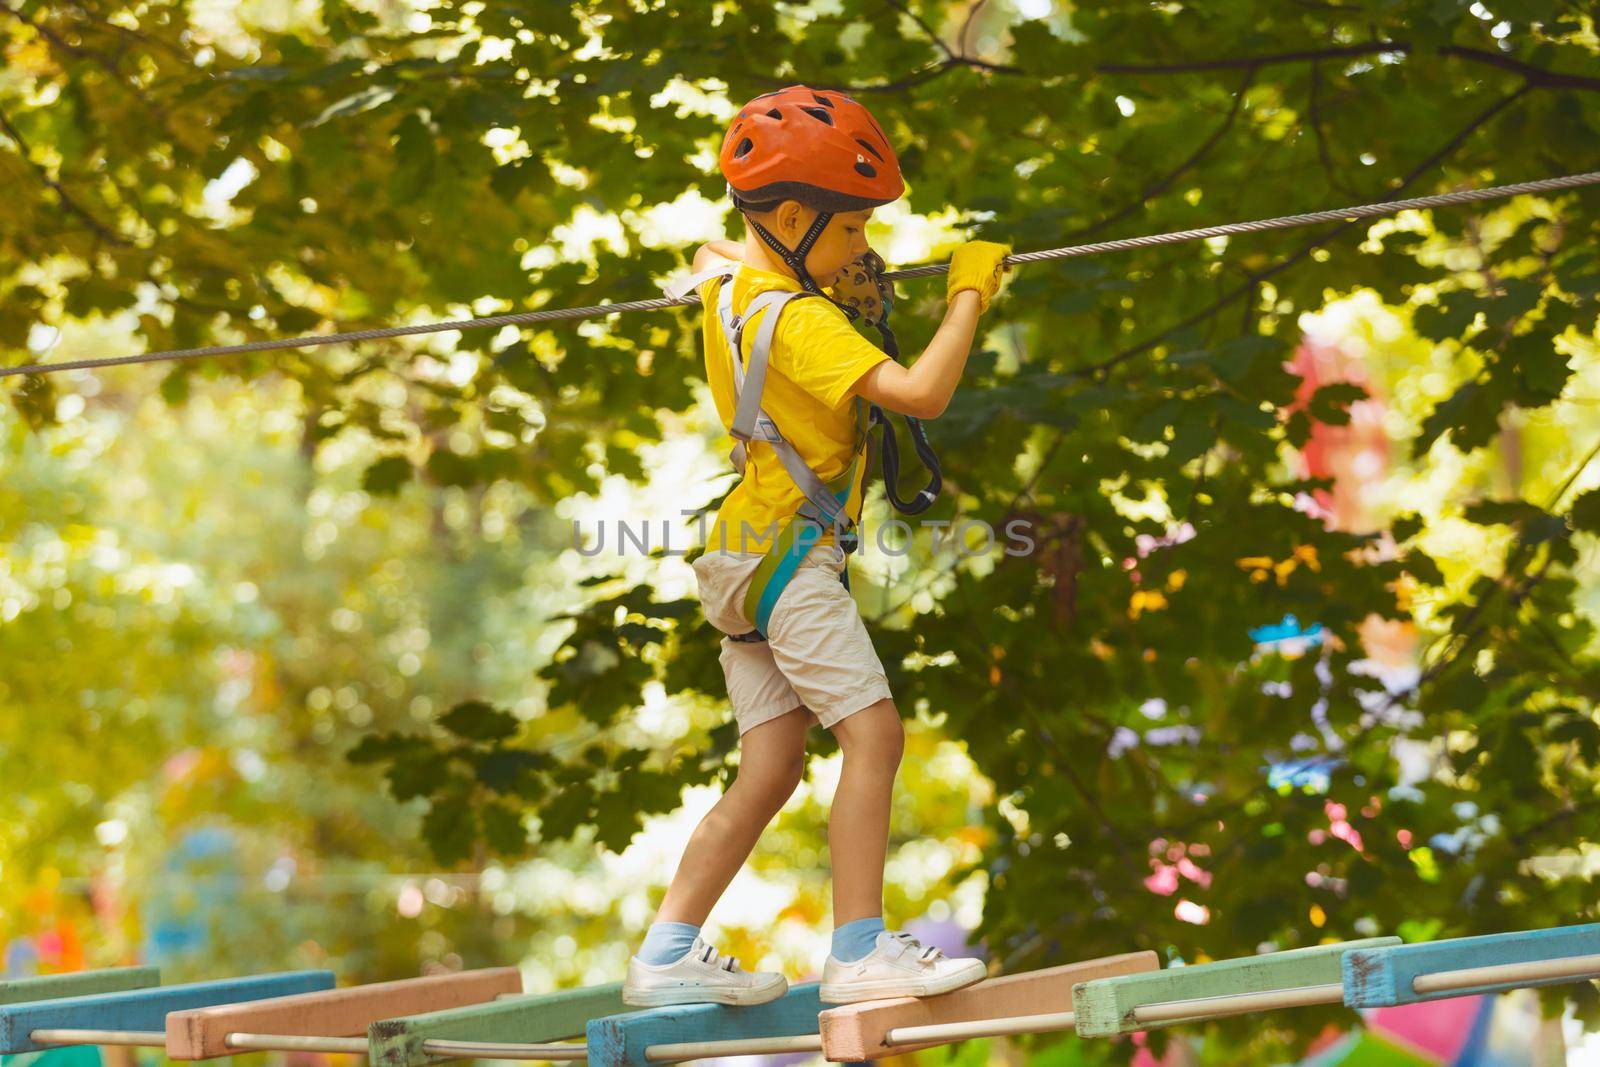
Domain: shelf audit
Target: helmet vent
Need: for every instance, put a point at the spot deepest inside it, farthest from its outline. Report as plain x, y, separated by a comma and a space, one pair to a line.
824, 101
868, 146
820, 114
774, 113
864, 169
743, 148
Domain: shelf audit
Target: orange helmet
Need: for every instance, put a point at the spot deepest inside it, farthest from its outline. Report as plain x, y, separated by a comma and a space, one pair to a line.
815, 146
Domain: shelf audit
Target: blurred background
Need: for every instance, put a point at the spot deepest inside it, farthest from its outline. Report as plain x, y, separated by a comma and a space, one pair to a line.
331, 658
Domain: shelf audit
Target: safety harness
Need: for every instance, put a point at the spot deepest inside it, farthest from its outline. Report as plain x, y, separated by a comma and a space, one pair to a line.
828, 504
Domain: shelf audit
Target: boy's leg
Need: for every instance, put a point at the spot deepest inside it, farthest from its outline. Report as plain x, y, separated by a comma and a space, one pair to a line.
822, 647
872, 741
771, 763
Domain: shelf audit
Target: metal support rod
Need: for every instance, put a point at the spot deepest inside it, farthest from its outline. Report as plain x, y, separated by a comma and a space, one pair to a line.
1005, 1027
1568, 968
749, 1046
134, 1038
296, 1043
495, 1050
1238, 1004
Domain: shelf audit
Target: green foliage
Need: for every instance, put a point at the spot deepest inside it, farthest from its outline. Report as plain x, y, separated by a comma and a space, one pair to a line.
1110, 691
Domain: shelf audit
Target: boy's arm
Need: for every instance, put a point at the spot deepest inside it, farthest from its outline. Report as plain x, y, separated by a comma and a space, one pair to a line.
712, 251
923, 390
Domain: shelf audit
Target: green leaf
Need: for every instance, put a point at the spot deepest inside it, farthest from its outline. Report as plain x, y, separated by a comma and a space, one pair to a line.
418, 773
379, 748
450, 827
1585, 512
1501, 512
1405, 527
477, 721
503, 829
1421, 566
1450, 318
449, 469
1470, 415
513, 770
1234, 359
386, 476
1330, 404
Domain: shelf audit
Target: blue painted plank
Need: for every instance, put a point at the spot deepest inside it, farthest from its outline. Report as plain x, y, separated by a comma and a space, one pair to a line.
620, 1040
144, 1009
1382, 977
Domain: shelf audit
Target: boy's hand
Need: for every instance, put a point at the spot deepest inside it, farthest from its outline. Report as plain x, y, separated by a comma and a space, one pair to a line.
713, 251
978, 265
861, 286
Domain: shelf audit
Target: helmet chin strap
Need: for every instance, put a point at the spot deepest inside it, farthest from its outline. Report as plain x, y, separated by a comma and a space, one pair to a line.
795, 258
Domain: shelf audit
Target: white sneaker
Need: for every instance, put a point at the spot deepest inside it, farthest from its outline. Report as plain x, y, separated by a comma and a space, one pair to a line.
898, 966
700, 977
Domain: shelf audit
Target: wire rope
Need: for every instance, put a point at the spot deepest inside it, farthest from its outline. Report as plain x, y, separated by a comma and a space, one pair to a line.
527, 318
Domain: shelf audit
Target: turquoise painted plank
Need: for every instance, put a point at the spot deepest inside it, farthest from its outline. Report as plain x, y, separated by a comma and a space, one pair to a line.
1382, 977
1105, 1007
77, 984
144, 1009
621, 1039
532, 1020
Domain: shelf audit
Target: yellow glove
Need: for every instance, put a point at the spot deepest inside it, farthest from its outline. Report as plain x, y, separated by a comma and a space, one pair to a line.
977, 265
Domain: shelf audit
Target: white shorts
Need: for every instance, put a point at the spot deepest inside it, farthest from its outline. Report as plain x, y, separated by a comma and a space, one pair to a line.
817, 654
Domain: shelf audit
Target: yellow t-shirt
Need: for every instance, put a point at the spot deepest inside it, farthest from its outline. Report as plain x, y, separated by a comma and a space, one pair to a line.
816, 360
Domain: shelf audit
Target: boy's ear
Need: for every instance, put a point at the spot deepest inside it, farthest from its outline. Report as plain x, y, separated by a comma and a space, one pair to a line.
791, 215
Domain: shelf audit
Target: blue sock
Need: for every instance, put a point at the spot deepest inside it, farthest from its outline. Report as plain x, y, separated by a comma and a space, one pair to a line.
667, 942
856, 939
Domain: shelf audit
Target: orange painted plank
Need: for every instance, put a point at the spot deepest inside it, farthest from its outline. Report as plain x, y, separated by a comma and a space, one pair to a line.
202, 1033
855, 1031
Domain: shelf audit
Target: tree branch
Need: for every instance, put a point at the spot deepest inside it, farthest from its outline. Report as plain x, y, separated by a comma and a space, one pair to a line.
67, 201
905, 10
1537, 76
1317, 241
1254, 62
1161, 185
56, 39
1314, 117
1099, 369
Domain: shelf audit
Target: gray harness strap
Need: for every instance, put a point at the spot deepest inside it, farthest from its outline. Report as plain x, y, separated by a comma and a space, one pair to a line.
750, 420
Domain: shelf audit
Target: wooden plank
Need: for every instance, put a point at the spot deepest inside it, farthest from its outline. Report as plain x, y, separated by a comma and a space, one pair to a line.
1382, 977
1105, 1007
201, 1033
530, 1020
856, 1031
77, 984
622, 1039
143, 1009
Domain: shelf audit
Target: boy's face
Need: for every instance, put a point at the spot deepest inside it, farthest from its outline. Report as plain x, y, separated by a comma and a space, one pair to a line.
843, 240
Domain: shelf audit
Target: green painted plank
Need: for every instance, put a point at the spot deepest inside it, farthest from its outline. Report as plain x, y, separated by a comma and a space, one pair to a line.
1103, 1007
77, 984
528, 1019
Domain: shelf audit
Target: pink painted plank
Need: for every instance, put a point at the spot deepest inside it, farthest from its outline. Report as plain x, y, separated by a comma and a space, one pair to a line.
855, 1031
202, 1033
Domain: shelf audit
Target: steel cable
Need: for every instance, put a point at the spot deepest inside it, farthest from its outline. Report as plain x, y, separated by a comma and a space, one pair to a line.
526, 318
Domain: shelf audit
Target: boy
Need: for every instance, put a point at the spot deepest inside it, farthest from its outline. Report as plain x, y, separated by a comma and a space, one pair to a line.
806, 169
